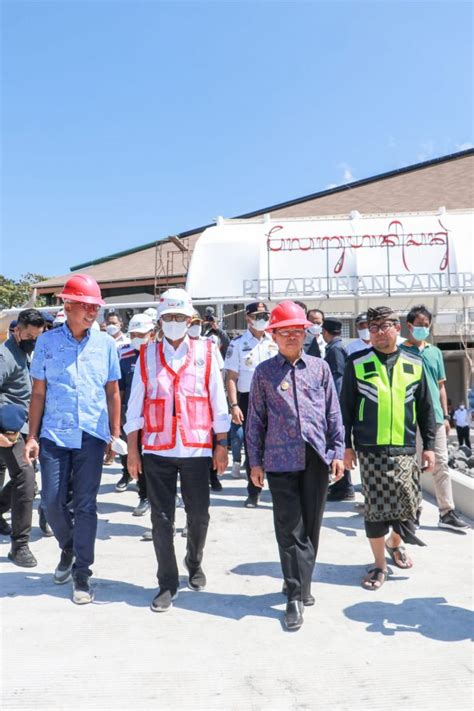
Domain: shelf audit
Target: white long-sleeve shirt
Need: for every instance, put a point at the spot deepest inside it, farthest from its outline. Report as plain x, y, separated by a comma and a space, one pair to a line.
218, 400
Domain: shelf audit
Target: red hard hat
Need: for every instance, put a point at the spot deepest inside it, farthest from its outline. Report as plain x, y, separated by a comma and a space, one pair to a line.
287, 313
82, 287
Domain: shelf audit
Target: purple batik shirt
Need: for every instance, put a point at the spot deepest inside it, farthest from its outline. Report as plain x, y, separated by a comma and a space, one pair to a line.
290, 407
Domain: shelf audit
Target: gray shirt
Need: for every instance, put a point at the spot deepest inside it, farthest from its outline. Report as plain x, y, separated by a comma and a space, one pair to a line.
15, 382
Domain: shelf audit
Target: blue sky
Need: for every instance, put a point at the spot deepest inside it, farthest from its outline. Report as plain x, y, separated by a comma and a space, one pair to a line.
124, 122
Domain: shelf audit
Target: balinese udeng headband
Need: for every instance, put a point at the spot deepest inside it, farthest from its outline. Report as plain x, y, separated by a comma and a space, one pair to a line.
381, 312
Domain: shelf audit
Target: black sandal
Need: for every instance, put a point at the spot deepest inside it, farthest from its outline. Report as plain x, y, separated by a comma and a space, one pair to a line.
376, 575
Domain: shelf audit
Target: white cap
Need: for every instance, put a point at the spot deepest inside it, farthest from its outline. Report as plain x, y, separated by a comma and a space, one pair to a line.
141, 323
152, 313
175, 301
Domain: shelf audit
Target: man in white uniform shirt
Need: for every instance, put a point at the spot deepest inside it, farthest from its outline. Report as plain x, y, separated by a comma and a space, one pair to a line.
178, 402
242, 357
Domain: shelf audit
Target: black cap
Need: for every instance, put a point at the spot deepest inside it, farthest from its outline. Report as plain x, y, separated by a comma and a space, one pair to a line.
332, 325
362, 318
254, 307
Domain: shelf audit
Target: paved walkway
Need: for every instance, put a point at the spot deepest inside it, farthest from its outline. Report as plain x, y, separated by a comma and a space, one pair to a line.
407, 646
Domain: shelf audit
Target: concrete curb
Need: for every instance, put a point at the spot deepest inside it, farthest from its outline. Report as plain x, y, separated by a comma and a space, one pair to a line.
463, 491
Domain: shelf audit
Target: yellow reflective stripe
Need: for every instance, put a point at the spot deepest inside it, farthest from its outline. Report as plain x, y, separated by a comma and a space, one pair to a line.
384, 410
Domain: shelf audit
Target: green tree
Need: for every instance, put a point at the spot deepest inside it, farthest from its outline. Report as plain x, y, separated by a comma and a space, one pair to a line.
15, 293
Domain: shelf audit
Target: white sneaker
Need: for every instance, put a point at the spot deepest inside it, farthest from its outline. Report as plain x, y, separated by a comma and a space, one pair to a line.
235, 473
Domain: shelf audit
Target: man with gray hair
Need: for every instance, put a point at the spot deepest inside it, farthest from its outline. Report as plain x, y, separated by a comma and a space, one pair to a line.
384, 398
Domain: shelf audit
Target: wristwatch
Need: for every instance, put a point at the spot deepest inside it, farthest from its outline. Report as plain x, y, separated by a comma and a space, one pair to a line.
234, 404
222, 442
447, 417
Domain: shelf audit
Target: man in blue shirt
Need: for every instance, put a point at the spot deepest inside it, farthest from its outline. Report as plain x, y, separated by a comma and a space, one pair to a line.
75, 408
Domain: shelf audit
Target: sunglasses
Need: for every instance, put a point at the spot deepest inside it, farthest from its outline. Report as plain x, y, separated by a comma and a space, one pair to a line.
286, 333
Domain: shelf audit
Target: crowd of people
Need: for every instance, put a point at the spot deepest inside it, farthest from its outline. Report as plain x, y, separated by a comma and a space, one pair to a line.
172, 394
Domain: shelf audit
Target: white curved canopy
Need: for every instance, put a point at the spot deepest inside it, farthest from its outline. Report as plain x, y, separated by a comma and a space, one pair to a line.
336, 257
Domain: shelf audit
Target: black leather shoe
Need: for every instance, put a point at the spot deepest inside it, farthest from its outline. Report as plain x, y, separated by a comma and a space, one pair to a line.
251, 502
197, 579
216, 486
308, 601
23, 557
294, 615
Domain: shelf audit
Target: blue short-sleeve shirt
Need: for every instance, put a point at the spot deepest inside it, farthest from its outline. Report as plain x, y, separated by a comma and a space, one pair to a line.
76, 373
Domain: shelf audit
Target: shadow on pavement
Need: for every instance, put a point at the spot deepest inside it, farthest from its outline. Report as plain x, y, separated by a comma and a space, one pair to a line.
431, 617
348, 525
107, 529
234, 607
329, 573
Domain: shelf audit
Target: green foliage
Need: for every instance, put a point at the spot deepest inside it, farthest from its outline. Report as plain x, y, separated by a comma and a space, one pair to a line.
16, 293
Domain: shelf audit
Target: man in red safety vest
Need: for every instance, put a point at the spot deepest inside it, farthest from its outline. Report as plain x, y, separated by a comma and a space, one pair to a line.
178, 402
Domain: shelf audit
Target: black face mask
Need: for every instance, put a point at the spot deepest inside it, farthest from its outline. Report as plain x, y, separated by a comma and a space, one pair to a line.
27, 345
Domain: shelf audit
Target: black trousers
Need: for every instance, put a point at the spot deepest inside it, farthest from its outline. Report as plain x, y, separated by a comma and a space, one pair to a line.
161, 479
298, 507
464, 436
243, 402
20, 493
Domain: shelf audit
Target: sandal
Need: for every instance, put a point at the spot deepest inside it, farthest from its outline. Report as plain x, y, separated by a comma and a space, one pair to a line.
402, 561
376, 575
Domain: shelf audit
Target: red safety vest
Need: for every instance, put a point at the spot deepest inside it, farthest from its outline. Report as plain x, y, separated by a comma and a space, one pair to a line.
177, 400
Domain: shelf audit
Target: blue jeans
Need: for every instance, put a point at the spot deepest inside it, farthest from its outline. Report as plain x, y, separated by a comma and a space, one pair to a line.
236, 441
83, 467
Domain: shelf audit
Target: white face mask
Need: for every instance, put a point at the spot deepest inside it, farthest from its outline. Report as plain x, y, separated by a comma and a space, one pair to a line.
138, 342
364, 333
259, 325
174, 330
315, 329
112, 329
194, 331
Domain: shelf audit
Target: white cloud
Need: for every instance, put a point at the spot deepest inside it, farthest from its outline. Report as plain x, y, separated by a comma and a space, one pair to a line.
330, 186
348, 177
464, 146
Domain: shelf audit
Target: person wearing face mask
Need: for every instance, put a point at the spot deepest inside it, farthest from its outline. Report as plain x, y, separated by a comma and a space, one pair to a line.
419, 324
211, 330
74, 417
140, 330
243, 356
114, 328
315, 344
15, 389
178, 403
363, 341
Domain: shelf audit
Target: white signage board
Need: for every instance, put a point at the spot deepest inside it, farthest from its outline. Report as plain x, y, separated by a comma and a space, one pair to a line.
340, 257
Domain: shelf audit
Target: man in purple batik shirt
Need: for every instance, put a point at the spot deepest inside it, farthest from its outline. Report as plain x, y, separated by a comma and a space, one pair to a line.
295, 434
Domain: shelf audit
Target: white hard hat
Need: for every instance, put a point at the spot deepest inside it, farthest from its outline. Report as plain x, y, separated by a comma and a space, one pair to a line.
152, 313
141, 323
175, 301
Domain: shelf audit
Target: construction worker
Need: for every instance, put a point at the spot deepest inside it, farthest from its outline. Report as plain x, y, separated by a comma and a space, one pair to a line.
178, 403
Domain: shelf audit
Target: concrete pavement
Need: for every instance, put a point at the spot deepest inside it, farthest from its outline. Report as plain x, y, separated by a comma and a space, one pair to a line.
406, 646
